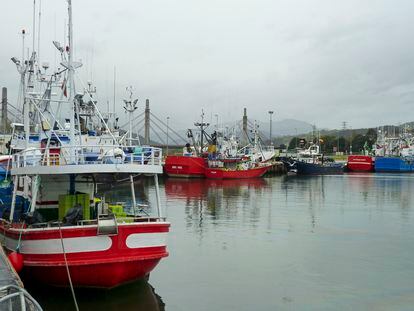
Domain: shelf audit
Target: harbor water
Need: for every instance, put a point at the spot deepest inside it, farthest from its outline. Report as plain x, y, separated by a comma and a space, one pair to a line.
280, 243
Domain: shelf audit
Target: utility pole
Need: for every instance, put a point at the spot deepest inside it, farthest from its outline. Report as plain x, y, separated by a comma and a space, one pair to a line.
344, 130
296, 137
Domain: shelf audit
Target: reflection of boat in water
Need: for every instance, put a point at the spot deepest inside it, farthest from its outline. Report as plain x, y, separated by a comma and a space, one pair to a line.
184, 188
198, 188
236, 183
138, 295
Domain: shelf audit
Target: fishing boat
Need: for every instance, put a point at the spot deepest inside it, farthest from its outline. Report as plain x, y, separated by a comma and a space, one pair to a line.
193, 161
394, 164
78, 240
187, 166
311, 162
394, 153
240, 169
327, 168
360, 163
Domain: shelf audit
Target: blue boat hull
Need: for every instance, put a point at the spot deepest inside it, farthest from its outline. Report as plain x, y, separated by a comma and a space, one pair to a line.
394, 164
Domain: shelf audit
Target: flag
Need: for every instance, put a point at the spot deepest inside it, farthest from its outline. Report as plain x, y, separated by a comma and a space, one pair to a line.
64, 88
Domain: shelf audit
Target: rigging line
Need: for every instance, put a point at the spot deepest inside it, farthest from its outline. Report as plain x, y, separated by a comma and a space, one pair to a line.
97, 110
261, 134
140, 130
127, 123
159, 127
164, 132
133, 120
157, 135
137, 124
67, 268
171, 129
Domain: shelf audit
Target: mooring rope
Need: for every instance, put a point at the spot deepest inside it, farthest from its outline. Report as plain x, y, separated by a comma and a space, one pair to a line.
67, 269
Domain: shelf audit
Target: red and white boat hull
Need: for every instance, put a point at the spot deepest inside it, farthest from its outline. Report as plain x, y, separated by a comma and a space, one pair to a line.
94, 260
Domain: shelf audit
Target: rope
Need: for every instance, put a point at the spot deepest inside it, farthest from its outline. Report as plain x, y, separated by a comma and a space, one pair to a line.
67, 269
20, 237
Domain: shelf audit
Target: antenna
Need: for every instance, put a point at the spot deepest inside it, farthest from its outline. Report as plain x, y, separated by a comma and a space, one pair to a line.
114, 87
38, 32
130, 107
34, 24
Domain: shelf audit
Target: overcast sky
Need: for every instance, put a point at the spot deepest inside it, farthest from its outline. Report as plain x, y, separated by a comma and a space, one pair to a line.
323, 62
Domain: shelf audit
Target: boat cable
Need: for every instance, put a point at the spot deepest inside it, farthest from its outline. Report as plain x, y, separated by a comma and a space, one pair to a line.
67, 269
20, 236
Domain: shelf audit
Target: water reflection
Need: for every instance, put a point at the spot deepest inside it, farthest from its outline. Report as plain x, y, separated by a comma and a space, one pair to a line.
295, 243
135, 296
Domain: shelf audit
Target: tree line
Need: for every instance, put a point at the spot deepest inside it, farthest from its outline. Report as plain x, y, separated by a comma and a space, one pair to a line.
357, 143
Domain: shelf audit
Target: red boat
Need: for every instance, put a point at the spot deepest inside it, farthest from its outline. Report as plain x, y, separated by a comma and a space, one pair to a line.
224, 173
50, 226
185, 166
360, 163
94, 260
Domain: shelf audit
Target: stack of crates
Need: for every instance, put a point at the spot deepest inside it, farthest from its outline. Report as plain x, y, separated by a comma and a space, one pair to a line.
117, 209
67, 201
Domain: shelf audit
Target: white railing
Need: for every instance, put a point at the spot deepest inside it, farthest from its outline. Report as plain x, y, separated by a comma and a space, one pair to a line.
84, 155
17, 298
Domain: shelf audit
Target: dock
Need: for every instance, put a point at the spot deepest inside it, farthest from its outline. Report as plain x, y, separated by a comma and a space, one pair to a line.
13, 296
277, 168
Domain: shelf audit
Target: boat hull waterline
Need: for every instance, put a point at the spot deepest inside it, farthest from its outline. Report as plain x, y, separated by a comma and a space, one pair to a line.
318, 169
220, 173
100, 261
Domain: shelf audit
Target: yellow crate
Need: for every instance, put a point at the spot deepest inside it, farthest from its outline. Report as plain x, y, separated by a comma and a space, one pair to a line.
116, 208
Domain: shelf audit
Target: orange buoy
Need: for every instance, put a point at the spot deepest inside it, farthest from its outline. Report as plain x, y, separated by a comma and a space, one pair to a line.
16, 260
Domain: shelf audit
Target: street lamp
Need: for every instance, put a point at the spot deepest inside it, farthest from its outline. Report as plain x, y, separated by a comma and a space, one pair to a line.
270, 115
168, 119
296, 138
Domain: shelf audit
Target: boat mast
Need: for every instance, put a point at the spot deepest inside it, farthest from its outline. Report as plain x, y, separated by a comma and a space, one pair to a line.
25, 104
71, 83
130, 107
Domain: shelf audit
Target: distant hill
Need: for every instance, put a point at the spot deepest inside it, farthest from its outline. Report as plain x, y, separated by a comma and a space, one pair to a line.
285, 127
283, 131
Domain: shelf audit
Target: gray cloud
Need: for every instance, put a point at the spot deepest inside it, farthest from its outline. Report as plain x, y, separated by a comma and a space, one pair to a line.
319, 61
